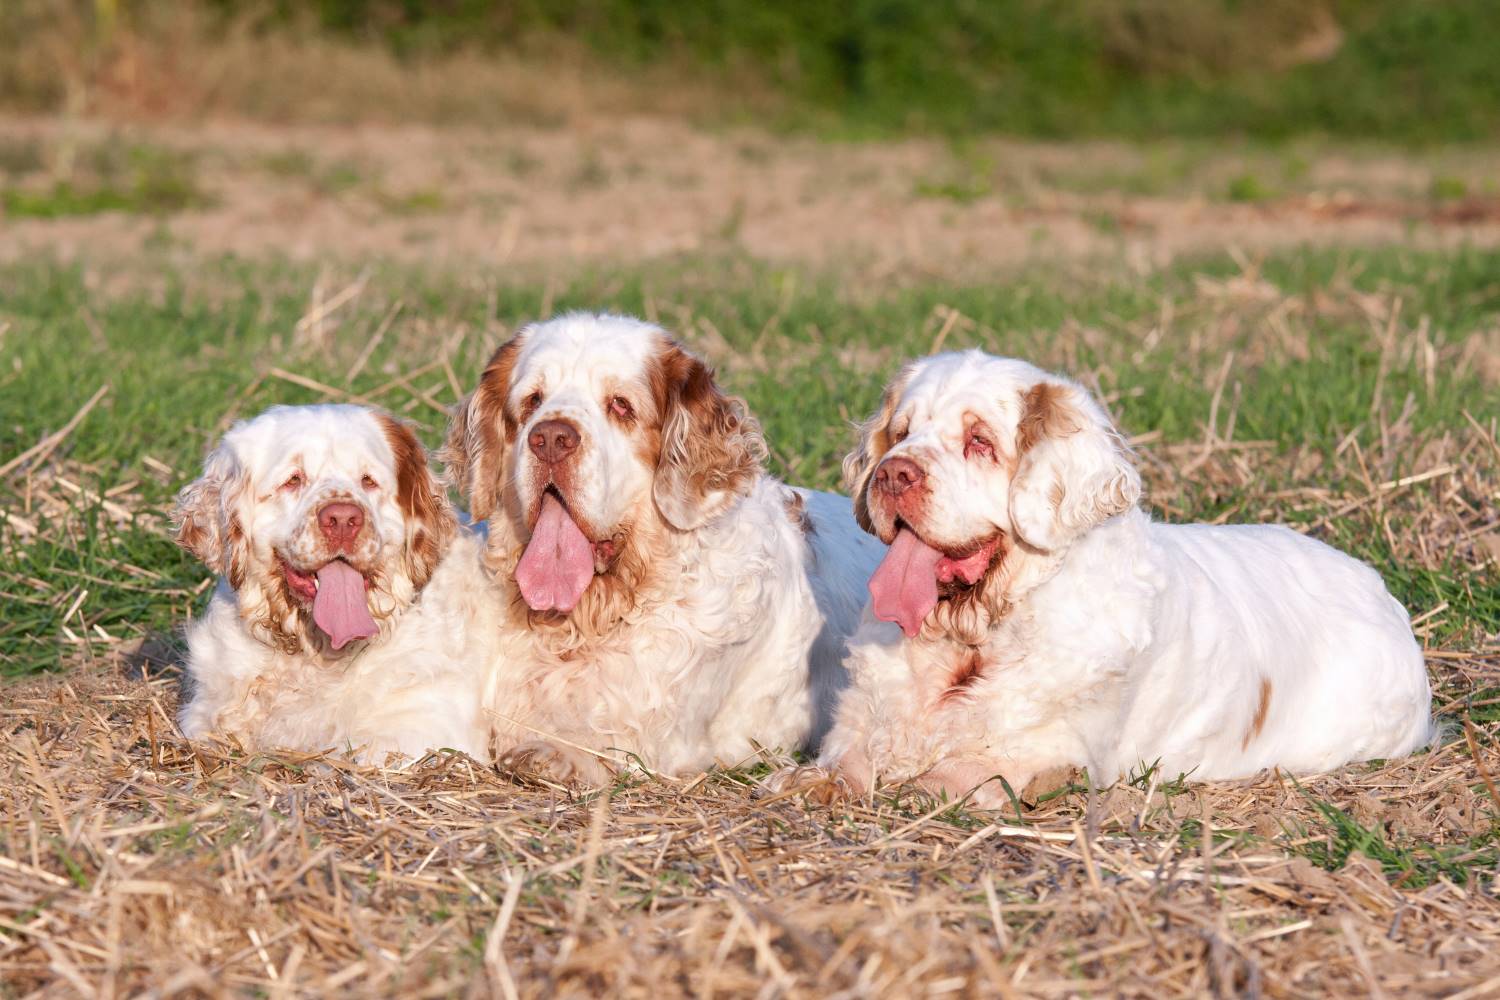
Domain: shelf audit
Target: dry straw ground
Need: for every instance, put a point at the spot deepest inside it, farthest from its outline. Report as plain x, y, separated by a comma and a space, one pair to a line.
133, 861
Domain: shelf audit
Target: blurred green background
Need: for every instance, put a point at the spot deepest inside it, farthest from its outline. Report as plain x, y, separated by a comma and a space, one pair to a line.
1409, 71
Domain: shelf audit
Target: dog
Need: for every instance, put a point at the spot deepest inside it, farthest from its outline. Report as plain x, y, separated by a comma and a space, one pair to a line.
1029, 617
661, 601
348, 602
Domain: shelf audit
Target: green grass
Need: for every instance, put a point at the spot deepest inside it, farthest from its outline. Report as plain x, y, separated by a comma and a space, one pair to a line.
1448, 188
1248, 187
110, 177
1338, 837
809, 353
325, 178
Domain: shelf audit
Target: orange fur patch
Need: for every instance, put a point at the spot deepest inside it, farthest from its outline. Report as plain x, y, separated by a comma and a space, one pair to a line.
968, 671
796, 512
722, 450
203, 519
430, 524
1045, 412
875, 441
274, 626
197, 538
480, 428
1261, 708
237, 552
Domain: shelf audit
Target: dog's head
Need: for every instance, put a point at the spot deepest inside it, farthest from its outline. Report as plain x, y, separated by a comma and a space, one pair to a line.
325, 520
973, 465
588, 440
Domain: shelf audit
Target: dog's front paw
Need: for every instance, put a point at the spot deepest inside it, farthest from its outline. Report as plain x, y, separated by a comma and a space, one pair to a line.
538, 759
1052, 780
817, 785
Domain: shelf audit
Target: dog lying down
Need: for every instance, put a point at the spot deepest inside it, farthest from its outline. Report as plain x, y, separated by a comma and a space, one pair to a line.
658, 598
1030, 617
349, 599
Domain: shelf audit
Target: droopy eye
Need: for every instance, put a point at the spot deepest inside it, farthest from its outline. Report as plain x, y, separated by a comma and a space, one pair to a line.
978, 444
369, 483
532, 401
293, 482
620, 407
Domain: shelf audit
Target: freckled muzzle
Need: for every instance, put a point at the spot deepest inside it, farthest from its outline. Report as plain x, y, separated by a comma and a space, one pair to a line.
327, 564
333, 526
899, 491
341, 523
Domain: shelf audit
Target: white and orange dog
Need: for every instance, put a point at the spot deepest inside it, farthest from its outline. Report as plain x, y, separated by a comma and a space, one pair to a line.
659, 599
350, 611
1029, 616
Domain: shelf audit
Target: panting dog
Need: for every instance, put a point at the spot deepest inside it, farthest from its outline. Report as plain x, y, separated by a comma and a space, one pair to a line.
1029, 616
659, 599
350, 605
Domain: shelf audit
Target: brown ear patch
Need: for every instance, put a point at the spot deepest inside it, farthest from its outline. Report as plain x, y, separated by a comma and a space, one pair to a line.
198, 513
875, 441
709, 447
1045, 412
494, 384
237, 549
430, 524
480, 428
195, 536
204, 517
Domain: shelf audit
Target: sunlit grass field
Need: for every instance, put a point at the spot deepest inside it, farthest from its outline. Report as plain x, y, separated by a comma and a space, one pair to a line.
1352, 393
1295, 365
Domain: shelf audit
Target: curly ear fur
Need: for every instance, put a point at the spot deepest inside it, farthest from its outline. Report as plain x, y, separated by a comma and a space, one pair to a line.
430, 523
711, 447
479, 428
1074, 470
874, 442
205, 518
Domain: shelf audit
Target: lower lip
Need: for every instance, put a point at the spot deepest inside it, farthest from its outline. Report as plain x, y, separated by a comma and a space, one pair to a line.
302, 585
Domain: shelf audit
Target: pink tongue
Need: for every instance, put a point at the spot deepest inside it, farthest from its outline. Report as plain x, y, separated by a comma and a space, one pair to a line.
558, 562
904, 586
339, 608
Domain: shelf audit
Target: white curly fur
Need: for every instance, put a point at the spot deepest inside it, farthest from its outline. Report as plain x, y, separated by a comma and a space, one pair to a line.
716, 621
1097, 638
259, 670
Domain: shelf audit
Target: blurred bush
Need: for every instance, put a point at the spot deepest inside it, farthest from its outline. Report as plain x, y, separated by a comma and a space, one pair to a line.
1411, 70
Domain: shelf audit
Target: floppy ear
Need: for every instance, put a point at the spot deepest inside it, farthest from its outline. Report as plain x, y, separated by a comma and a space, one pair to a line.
711, 448
874, 442
205, 518
430, 523
1074, 469
479, 427
457, 455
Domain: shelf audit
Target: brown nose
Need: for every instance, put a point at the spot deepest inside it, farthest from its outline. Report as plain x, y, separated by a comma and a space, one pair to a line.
553, 440
340, 523
897, 475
